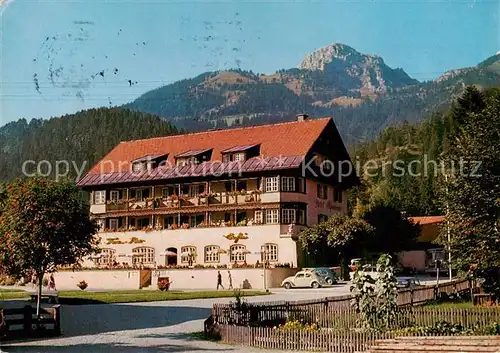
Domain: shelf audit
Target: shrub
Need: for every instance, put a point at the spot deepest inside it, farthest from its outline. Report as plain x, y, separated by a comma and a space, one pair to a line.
7, 280
492, 329
82, 285
298, 325
164, 284
441, 328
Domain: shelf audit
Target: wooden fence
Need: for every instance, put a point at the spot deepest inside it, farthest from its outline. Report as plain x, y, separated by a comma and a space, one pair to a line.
351, 339
324, 311
22, 322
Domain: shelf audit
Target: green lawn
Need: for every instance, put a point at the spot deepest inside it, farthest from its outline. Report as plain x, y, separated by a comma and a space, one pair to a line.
4, 290
130, 296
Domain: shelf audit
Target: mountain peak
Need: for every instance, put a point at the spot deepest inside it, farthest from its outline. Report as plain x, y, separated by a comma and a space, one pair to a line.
318, 59
368, 73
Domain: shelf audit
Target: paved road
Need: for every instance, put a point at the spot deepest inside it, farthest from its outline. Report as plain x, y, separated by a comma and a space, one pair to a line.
147, 327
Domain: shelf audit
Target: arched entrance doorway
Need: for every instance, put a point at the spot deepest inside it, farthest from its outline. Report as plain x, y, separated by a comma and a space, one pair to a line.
171, 257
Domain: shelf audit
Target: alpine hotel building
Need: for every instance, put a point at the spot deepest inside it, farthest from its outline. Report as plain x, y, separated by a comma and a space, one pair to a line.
220, 197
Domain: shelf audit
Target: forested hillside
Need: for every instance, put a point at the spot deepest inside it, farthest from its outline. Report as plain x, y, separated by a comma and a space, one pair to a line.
404, 166
82, 138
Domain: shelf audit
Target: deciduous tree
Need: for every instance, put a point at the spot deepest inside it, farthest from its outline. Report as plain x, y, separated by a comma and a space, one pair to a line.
339, 237
43, 225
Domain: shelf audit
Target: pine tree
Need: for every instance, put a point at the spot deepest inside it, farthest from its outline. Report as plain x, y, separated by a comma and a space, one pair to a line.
472, 193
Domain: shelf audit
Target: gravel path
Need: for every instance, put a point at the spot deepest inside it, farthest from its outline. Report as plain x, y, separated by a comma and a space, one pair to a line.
146, 327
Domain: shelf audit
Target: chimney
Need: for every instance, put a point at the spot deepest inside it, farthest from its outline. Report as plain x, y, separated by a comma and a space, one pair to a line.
302, 117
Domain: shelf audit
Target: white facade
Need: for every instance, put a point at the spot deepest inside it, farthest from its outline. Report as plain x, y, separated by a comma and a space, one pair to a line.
214, 246
208, 246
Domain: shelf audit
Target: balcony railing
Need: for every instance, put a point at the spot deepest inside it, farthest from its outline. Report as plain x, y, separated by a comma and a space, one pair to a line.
175, 201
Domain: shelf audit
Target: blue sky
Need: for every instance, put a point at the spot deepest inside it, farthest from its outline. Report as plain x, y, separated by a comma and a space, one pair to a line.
53, 52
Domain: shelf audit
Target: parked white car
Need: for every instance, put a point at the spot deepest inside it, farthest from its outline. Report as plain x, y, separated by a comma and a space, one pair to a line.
369, 270
303, 279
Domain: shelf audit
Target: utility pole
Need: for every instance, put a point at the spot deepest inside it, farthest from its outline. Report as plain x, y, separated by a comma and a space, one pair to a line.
448, 229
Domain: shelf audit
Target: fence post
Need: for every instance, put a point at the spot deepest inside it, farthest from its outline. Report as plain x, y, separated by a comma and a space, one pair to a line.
471, 291
436, 292
27, 318
287, 306
57, 320
411, 296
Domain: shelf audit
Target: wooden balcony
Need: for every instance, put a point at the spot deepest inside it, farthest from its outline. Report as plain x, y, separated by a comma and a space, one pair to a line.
176, 202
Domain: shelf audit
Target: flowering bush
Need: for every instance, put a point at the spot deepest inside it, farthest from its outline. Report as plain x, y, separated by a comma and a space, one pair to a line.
82, 285
298, 325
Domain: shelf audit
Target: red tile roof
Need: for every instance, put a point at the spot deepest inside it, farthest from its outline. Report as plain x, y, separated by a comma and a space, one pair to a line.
427, 219
255, 164
283, 139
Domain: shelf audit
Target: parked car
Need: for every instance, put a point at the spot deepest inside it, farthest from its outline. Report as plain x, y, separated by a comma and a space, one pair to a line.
408, 282
370, 270
329, 276
303, 279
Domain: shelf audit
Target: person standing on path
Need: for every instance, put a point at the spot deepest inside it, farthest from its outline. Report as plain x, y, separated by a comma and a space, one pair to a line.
52, 283
219, 280
230, 279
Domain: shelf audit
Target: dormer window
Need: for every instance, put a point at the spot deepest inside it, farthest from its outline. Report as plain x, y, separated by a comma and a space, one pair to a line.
234, 157
193, 157
148, 162
240, 153
137, 167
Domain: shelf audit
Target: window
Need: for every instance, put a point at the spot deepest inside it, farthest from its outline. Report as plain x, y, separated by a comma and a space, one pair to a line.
272, 184
299, 275
99, 197
139, 194
188, 254
114, 195
238, 253
301, 217
239, 157
229, 186
107, 257
301, 185
272, 216
322, 191
258, 217
113, 223
269, 252
137, 167
168, 221
287, 184
196, 220
322, 218
241, 185
212, 254
195, 190
168, 191
288, 216
143, 255
337, 195
143, 222
233, 157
